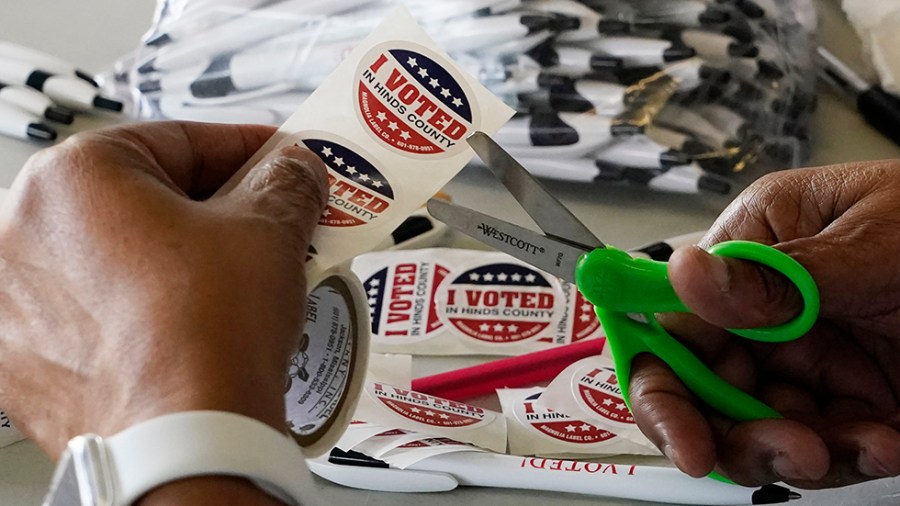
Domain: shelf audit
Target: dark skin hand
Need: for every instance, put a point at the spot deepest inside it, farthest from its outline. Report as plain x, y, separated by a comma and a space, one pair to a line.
838, 387
128, 293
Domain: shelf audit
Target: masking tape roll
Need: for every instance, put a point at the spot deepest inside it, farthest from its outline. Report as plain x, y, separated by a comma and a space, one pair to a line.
327, 374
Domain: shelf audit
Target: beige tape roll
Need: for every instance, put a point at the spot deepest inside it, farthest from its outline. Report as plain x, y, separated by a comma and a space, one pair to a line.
327, 374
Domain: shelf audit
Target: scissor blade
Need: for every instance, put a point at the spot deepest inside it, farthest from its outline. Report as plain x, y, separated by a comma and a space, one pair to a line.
547, 254
555, 219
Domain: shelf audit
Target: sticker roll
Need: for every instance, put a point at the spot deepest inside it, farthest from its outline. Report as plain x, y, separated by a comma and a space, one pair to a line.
327, 375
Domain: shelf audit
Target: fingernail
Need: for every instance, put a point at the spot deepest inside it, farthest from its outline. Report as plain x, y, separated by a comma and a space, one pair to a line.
870, 466
719, 272
669, 452
787, 469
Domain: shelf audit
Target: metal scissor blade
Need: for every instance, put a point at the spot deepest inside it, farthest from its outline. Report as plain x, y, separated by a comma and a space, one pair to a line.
555, 219
547, 254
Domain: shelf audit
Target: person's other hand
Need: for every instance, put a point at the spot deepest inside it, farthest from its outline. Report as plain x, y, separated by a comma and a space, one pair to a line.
128, 293
838, 387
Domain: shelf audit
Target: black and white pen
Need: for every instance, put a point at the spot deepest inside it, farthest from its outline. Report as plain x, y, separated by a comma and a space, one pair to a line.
34, 102
689, 179
640, 151
566, 135
640, 51
69, 92
589, 24
20, 124
42, 60
877, 106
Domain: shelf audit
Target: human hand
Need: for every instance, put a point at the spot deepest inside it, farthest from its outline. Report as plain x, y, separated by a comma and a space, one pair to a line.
838, 387
128, 293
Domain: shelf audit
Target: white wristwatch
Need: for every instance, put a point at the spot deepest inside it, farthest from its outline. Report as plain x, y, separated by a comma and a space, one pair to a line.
118, 470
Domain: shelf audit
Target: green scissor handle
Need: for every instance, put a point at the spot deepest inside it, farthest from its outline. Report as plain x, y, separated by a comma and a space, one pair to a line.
627, 292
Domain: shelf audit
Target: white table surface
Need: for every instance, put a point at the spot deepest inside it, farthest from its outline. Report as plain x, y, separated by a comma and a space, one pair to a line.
94, 33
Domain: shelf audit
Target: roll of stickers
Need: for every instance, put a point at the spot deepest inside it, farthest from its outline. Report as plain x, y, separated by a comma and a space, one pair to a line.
390, 125
327, 374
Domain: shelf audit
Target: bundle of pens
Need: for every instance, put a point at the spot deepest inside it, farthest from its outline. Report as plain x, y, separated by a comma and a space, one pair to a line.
37, 88
675, 95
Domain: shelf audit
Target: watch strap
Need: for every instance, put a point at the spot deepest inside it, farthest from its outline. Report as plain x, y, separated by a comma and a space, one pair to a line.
207, 443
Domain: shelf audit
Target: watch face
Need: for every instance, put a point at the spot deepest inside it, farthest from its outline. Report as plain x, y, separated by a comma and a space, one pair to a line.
82, 477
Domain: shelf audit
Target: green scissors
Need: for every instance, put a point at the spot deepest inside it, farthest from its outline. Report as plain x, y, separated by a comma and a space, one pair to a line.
627, 292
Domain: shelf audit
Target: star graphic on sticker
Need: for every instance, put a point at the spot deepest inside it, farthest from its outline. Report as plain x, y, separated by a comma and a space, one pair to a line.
512, 328
326, 152
484, 327
621, 406
375, 282
607, 402
372, 302
474, 276
498, 327
489, 277
585, 318
339, 161
502, 277
381, 116
377, 184
364, 178
445, 416
429, 413
373, 292
570, 428
530, 278
350, 169
405, 135
412, 62
423, 72
517, 277
327, 212
586, 307
586, 427
445, 92
434, 83
457, 102
392, 125
415, 410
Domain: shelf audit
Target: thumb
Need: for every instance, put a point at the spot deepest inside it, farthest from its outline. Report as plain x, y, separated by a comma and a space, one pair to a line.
732, 293
289, 187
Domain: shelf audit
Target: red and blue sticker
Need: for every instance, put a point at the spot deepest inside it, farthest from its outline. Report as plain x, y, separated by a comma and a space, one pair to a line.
412, 102
499, 303
401, 301
358, 192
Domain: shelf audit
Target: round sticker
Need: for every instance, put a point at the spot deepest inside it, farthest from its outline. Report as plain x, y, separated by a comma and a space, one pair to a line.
401, 301
412, 100
428, 410
558, 425
599, 392
358, 192
500, 303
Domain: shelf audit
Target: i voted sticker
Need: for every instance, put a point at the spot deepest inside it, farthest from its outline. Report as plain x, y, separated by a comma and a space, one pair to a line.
401, 301
428, 410
558, 426
599, 392
499, 303
411, 100
359, 193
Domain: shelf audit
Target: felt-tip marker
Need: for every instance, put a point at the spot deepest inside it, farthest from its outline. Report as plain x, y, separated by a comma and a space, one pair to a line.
14, 122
